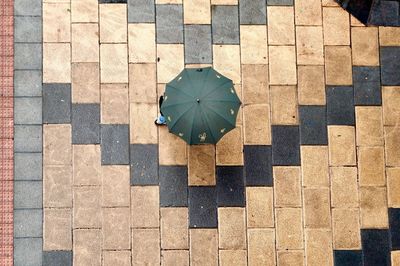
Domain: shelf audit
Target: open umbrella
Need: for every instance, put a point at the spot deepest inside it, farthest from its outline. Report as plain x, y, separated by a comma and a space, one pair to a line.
200, 105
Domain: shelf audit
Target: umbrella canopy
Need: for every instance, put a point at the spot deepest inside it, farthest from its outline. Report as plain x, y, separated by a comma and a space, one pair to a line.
200, 105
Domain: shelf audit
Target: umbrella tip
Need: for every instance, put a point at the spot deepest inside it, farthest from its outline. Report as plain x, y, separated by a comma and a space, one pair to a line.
198, 100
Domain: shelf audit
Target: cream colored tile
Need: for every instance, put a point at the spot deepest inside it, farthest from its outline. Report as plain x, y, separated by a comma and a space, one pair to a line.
85, 42
287, 186
284, 105
113, 63
346, 229
344, 187
391, 105
86, 160
280, 25
289, 228
57, 229
318, 247
170, 61
373, 203
342, 149
310, 46
308, 12
392, 146
56, 63
113, 23
146, 246
115, 185
142, 43
116, 228
87, 207
253, 44
57, 138
395, 257
142, 83
282, 68
232, 257
174, 228
256, 133
336, 24
229, 150
255, 84
201, 165
197, 12
57, 186
145, 204
371, 166
365, 47
232, 228
168, 1
314, 166
259, 207
224, 2
84, 11
338, 69
175, 257
114, 104
87, 247
118, 257
290, 258
311, 85
85, 82
261, 247
369, 126
227, 61
203, 247
172, 150
316, 208
389, 36
393, 187
56, 22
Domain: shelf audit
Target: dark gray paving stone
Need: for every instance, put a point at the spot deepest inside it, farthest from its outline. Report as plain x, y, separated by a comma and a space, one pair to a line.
252, 12
27, 138
280, 2
173, 186
57, 258
385, 13
367, 86
203, 207
27, 29
28, 7
27, 83
28, 56
340, 105
230, 186
86, 124
313, 127
114, 144
28, 223
28, 111
28, 251
390, 66
198, 44
285, 145
144, 164
57, 103
141, 11
28, 166
169, 23
113, 1
27, 194
225, 24
348, 258
258, 165
394, 227
376, 246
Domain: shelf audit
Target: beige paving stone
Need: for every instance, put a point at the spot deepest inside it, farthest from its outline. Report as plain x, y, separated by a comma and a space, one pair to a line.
254, 131
145, 204
172, 150
142, 83
342, 150
56, 22
117, 257
85, 42
389, 36
84, 11
114, 104
371, 166
287, 186
346, 229
113, 63
373, 203
174, 228
146, 246
169, 1
284, 105
196, 12
365, 47
255, 84
311, 85
393, 187
344, 187
289, 228
232, 228
224, 2
280, 25
314, 166
170, 61
87, 207
56, 63
115, 185
316, 208
57, 186
308, 12
227, 61
395, 257
85, 82
232, 257
142, 42
87, 247
290, 258
338, 70
203, 247
175, 257
261, 247
392, 146
57, 229
369, 126
391, 105
282, 68
329, 3
318, 247
57, 138
113, 23
142, 128
86, 165
201, 165
309, 45
229, 150
253, 44
259, 207
336, 24
116, 228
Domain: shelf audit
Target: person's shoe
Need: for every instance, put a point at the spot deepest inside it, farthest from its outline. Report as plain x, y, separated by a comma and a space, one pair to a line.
160, 121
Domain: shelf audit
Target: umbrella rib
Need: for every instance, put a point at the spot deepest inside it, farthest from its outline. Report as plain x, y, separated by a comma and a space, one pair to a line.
206, 118
211, 109
204, 80
180, 91
170, 105
176, 121
211, 92
191, 128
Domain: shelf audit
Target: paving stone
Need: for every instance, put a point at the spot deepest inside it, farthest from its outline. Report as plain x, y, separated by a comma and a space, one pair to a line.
253, 12
385, 13
280, 2
141, 11
56, 103
252, 46
85, 123
346, 228
308, 12
390, 65
27, 138
112, 1
27, 166
201, 165
365, 46
27, 29
369, 126
285, 145
313, 130
284, 96
232, 257
342, 145
394, 227
85, 82
230, 186
261, 246
348, 257
28, 110
256, 133
87, 207
173, 186
57, 258
27, 251
376, 246
85, 36
27, 83
146, 246
367, 86
259, 207
292, 258
174, 228
316, 208
281, 27
198, 44
282, 68
338, 65
373, 206
289, 229
232, 228
287, 186
340, 105
371, 167
174, 257
57, 138
169, 23
114, 104
115, 185
87, 247
57, 192
258, 165
311, 85
28, 56
225, 24
57, 229
28, 223
203, 247
145, 206
114, 63
393, 186
344, 187
142, 43
315, 166
170, 61
28, 8
202, 207
318, 247
118, 257
114, 144
144, 164
116, 228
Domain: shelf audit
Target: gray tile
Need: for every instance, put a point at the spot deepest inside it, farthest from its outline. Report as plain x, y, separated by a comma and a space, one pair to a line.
28, 111
144, 164
27, 56
169, 23
27, 29
27, 83
390, 65
173, 186
27, 138
367, 85
56, 103
198, 44
27, 194
85, 123
28, 7
114, 144
28, 223
57, 258
225, 24
141, 11
280, 2
28, 166
253, 12
28, 251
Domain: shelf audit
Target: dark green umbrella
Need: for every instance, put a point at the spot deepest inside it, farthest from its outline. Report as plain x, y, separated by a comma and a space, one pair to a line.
200, 105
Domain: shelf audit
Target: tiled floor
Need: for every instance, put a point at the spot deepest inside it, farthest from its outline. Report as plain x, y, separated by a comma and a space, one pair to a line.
310, 176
